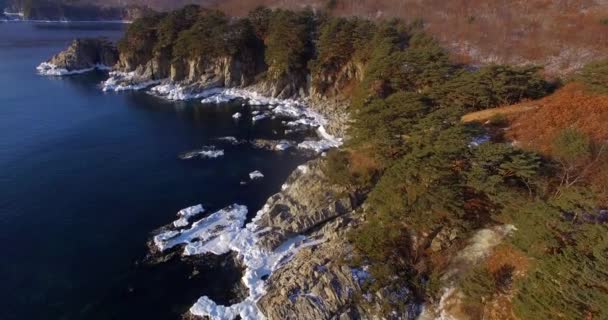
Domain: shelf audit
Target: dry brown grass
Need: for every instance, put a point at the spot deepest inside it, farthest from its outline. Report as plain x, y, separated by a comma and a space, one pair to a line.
485, 115
570, 107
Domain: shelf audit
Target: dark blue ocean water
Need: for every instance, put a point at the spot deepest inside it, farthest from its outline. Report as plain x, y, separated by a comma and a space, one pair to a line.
85, 176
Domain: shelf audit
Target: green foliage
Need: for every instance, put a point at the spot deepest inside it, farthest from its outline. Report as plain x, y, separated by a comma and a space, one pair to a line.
260, 20
499, 170
170, 27
213, 35
140, 37
384, 124
422, 65
595, 76
569, 284
288, 45
478, 284
492, 86
340, 41
571, 145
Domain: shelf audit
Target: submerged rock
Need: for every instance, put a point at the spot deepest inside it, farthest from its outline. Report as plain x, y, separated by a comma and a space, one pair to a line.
81, 56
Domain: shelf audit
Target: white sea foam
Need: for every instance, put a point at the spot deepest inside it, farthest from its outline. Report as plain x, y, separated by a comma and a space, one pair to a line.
49, 69
222, 232
205, 152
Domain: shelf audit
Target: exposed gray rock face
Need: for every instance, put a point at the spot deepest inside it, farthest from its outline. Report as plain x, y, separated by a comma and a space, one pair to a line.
307, 201
86, 54
314, 285
202, 72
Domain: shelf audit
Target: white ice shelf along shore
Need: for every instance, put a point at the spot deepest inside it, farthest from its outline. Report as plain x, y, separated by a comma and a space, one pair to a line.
223, 232
49, 69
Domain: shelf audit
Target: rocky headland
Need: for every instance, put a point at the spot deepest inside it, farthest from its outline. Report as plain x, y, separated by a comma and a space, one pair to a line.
83, 55
296, 254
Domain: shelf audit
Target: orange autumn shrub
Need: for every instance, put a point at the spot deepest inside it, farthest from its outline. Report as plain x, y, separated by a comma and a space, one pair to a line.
574, 107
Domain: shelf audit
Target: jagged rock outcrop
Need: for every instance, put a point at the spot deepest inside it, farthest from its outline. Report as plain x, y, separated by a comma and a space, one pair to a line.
314, 285
85, 54
307, 201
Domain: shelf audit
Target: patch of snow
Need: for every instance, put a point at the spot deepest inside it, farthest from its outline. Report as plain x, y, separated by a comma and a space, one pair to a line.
237, 115
187, 213
259, 117
218, 98
222, 232
205, 152
49, 69
176, 92
479, 140
283, 145
229, 139
123, 81
256, 175
303, 168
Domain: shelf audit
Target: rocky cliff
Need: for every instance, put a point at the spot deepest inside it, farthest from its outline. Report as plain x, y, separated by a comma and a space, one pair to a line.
82, 55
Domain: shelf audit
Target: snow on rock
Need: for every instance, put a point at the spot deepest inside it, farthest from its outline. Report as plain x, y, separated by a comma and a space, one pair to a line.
187, 213
205, 152
123, 81
299, 112
49, 69
172, 91
211, 234
256, 175
218, 98
230, 139
259, 117
222, 232
283, 145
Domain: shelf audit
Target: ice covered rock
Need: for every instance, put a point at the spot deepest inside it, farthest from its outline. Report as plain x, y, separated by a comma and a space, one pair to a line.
255, 175
186, 214
123, 81
83, 55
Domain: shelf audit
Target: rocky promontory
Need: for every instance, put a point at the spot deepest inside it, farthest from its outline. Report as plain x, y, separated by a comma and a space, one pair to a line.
81, 56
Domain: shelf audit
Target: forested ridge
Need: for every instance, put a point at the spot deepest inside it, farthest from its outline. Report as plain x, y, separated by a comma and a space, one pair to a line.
419, 171
562, 35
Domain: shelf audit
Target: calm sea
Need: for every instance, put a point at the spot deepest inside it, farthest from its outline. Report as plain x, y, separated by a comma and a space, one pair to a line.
86, 176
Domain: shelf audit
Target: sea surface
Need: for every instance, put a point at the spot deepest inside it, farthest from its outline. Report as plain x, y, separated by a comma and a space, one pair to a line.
87, 176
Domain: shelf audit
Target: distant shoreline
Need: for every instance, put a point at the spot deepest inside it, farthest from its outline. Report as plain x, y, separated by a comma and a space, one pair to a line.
20, 18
